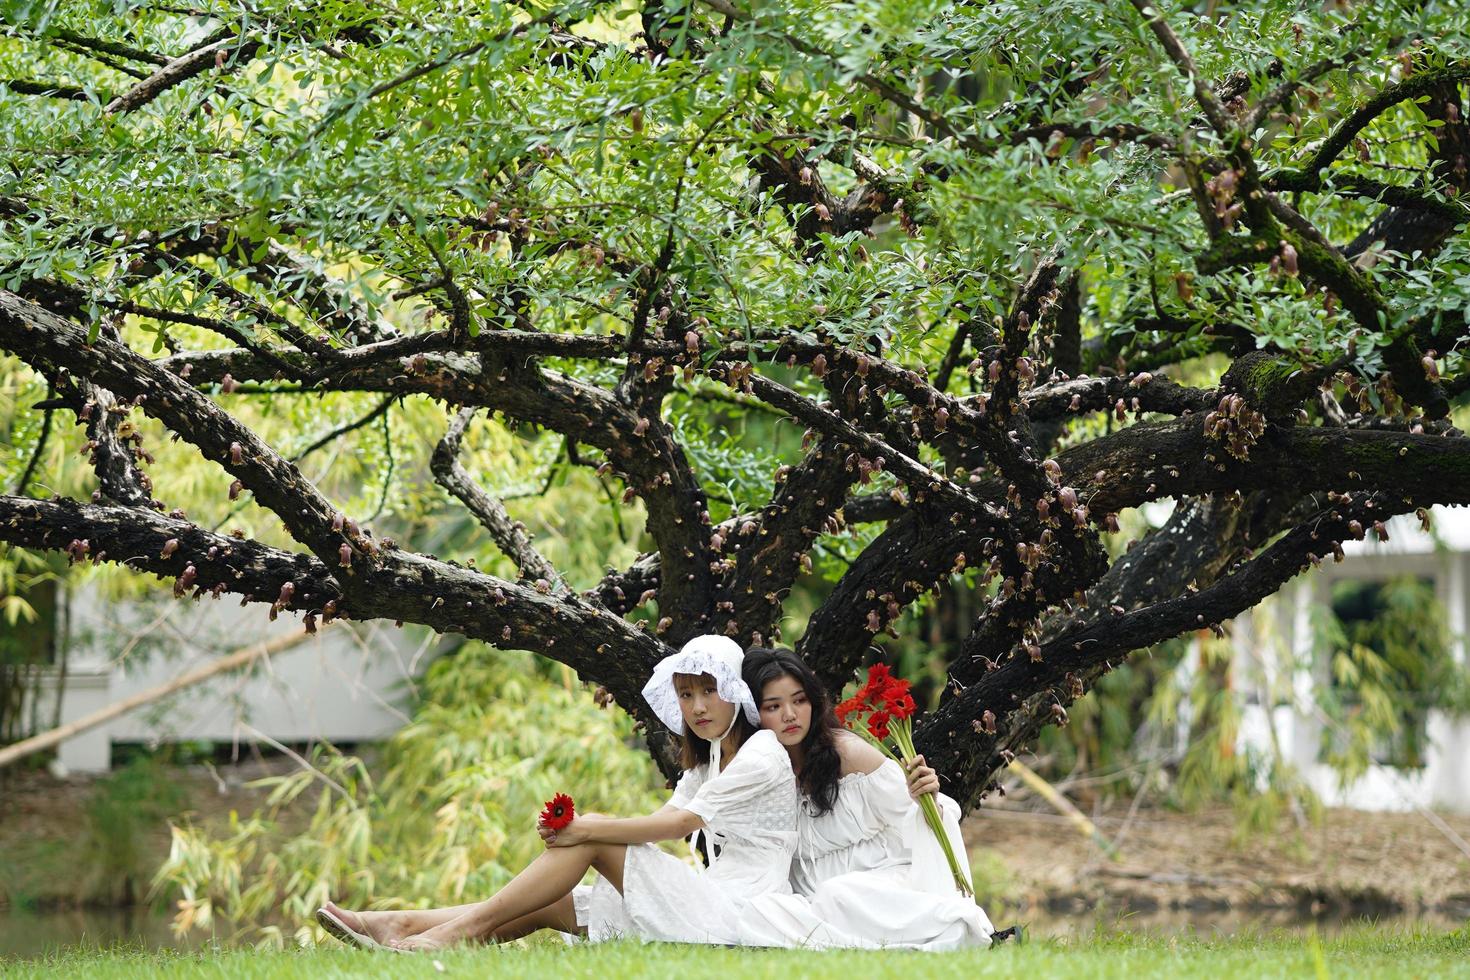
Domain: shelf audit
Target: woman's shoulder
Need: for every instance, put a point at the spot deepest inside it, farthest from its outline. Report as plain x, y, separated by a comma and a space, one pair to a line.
857, 754
764, 744
761, 755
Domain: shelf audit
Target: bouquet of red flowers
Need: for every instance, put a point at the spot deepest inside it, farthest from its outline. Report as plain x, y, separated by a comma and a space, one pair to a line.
881, 710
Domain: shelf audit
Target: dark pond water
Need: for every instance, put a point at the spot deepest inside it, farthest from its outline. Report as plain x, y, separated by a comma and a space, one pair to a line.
26, 934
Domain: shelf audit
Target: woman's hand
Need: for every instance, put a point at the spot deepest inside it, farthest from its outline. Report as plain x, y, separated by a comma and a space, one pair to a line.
550, 837
579, 831
922, 780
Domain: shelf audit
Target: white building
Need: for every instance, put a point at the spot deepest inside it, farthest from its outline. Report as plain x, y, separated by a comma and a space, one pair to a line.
343, 685
1280, 680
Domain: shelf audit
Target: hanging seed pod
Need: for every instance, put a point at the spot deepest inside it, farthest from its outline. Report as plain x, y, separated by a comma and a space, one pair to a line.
344, 556
987, 722
819, 365
640, 427
185, 580
1355, 528
237, 454
875, 623
1289, 259
227, 384
288, 589
235, 488
169, 547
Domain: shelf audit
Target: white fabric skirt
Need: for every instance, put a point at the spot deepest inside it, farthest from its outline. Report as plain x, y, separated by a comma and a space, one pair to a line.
665, 899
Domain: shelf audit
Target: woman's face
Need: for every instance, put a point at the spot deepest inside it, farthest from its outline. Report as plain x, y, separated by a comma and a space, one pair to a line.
785, 710
706, 714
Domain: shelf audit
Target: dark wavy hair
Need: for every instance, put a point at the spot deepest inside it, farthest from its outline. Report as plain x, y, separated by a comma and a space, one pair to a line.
821, 766
694, 751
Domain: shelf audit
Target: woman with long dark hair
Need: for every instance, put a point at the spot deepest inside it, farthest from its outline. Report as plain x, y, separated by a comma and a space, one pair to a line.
865, 858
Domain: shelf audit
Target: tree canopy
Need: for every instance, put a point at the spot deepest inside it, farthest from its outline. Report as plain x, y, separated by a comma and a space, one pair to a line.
888, 296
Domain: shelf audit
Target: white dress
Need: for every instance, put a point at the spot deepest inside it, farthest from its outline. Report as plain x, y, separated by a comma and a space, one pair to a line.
872, 868
749, 811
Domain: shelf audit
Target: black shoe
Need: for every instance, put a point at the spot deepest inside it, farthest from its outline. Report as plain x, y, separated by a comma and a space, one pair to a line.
1015, 934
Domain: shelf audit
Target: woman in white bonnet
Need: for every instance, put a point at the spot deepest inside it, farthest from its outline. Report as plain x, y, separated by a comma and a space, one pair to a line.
737, 791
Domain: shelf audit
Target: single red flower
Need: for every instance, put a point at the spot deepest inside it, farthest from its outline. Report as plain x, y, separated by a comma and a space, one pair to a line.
878, 725
851, 706
878, 679
559, 812
900, 704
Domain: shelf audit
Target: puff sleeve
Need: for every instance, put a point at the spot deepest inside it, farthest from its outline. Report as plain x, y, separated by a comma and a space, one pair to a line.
730, 804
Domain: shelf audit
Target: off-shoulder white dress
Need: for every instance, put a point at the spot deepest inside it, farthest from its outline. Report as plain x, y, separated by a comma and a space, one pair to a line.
750, 812
872, 868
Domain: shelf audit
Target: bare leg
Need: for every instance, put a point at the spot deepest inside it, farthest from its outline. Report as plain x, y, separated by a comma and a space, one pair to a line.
545, 882
392, 924
560, 915
386, 926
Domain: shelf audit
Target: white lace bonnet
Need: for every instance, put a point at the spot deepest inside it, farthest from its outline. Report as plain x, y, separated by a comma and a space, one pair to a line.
718, 656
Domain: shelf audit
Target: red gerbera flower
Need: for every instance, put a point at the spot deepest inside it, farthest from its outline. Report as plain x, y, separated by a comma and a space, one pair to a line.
900, 704
878, 679
853, 705
559, 812
878, 725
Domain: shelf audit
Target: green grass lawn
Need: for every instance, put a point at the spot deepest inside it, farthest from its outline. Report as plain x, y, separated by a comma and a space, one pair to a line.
1362, 952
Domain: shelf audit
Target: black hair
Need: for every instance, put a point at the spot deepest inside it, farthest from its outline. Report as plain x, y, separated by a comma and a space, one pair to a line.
821, 766
694, 751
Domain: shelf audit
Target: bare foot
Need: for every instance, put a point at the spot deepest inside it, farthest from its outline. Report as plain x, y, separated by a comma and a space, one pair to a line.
380, 927
422, 943
442, 936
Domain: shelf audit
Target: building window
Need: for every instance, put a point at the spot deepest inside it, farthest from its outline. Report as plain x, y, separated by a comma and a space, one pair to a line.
1389, 662
29, 643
